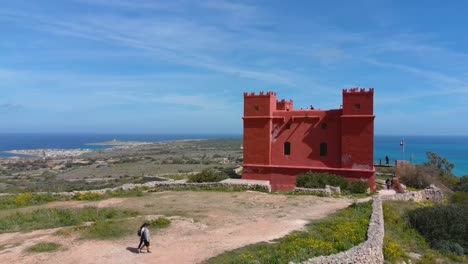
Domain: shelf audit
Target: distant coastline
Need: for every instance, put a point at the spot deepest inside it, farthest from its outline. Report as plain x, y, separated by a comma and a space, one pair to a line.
454, 148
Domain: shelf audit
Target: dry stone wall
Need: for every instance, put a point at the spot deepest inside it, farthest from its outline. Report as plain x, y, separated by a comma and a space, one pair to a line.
370, 251
209, 186
432, 194
176, 186
327, 191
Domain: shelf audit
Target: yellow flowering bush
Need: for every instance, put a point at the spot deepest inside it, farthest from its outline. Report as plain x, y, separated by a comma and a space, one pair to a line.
393, 250
89, 196
23, 199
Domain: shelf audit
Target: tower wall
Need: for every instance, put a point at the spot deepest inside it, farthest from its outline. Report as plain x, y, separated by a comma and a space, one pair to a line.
305, 130
257, 127
357, 129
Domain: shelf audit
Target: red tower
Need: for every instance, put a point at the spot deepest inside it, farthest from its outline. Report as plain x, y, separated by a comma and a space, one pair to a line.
281, 142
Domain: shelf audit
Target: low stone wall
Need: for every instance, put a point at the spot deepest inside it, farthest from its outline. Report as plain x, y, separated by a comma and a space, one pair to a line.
327, 191
175, 185
432, 194
370, 251
182, 186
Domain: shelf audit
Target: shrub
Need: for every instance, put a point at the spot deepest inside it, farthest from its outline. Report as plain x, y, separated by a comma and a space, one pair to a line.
207, 175
447, 247
358, 187
392, 250
445, 222
229, 171
460, 197
462, 184
89, 196
444, 166
319, 180
23, 199
160, 222
44, 247
418, 177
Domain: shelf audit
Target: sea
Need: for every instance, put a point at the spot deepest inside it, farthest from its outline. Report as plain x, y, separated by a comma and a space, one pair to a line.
453, 148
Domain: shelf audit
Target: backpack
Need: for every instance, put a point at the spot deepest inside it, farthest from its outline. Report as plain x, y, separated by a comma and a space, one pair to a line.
139, 232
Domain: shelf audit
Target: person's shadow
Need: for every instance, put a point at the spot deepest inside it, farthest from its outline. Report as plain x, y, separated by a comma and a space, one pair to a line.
133, 250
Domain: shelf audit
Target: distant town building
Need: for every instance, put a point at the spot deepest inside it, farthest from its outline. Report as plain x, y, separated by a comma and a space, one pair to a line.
280, 142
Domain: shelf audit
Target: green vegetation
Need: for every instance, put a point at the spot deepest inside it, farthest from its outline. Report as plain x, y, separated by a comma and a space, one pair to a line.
160, 223
337, 233
51, 218
446, 226
89, 196
437, 170
460, 198
44, 247
319, 180
31, 199
444, 166
208, 175
26, 199
401, 238
93, 196
107, 229
462, 184
438, 232
137, 192
113, 229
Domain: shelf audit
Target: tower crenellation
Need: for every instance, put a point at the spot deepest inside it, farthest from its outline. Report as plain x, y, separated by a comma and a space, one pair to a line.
284, 105
358, 101
358, 90
260, 94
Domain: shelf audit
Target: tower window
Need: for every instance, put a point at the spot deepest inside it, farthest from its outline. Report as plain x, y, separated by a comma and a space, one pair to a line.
323, 149
357, 106
324, 125
287, 148
256, 108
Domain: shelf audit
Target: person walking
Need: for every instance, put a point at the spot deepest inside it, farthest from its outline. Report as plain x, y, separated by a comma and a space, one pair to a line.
387, 160
144, 238
388, 183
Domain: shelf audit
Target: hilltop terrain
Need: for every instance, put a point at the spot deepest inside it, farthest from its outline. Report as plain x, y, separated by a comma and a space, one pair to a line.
127, 162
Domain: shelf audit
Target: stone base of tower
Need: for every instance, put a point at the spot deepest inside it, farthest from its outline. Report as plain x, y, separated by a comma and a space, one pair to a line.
283, 178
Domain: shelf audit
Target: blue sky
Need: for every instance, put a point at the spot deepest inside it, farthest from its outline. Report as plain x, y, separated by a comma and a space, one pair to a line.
182, 66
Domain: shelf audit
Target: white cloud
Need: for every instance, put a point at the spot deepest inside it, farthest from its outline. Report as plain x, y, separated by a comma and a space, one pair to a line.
329, 55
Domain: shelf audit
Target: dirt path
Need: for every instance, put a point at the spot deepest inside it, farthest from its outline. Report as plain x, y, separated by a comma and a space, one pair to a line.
241, 219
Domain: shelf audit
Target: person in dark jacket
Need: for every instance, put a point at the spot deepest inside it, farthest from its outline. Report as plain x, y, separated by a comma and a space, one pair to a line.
144, 238
388, 182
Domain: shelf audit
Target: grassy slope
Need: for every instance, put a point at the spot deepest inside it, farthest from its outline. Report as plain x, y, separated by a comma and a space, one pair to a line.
334, 234
401, 239
51, 218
